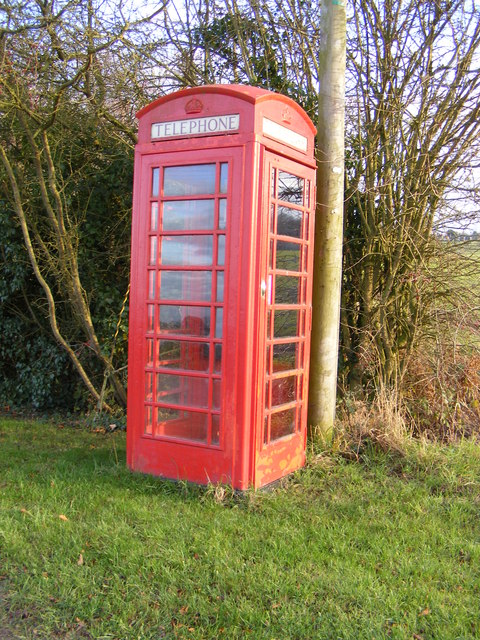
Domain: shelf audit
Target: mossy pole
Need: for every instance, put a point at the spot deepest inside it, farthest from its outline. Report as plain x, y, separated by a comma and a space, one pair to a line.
329, 224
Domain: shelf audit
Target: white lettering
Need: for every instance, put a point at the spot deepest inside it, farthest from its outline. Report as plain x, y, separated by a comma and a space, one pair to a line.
195, 126
157, 130
223, 124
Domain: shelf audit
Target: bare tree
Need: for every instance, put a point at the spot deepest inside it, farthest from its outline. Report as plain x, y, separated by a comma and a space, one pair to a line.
265, 43
412, 132
411, 143
54, 76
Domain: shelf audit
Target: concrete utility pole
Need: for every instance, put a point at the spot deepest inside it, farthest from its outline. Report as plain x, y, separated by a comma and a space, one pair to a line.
329, 223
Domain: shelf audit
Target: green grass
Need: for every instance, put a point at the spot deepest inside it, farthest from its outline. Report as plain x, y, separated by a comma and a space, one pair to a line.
383, 548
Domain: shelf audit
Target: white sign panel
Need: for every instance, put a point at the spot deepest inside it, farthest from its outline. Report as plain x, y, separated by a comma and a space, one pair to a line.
282, 134
195, 126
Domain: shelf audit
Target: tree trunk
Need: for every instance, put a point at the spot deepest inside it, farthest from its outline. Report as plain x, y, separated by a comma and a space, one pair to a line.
329, 224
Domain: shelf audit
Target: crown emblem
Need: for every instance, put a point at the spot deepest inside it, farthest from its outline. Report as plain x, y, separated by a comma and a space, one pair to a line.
194, 106
286, 115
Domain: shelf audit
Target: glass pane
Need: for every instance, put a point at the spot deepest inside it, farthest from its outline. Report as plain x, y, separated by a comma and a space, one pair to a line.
219, 323
287, 290
187, 250
282, 424
148, 420
219, 286
149, 387
305, 258
164, 413
179, 354
289, 222
272, 183
288, 256
283, 390
221, 251
187, 321
307, 230
217, 364
153, 250
182, 390
222, 214
189, 180
267, 360
285, 324
150, 317
272, 218
290, 187
223, 177
184, 215
269, 324
149, 352
215, 429
154, 216
267, 394
155, 182
217, 388
186, 285
152, 278
265, 430
187, 425
286, 356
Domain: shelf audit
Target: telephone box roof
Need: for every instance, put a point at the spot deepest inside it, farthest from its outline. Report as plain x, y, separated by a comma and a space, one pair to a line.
254, 95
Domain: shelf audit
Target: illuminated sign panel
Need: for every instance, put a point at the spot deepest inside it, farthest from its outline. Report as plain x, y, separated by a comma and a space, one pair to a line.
287, 136
196, 126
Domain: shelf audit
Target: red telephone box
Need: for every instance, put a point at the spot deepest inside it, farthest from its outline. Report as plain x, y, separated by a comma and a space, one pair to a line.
221, 285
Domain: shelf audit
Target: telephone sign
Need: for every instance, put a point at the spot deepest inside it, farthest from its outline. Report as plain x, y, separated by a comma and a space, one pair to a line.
194, 126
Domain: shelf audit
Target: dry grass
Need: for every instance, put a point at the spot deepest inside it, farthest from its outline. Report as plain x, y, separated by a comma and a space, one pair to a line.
438, 394
443, 395
381, 423
441, 385
439, 401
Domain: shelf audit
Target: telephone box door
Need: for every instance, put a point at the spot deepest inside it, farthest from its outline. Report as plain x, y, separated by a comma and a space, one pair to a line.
285, 310
180, 346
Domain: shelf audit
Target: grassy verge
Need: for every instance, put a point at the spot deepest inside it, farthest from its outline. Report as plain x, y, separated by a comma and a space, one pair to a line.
386, 548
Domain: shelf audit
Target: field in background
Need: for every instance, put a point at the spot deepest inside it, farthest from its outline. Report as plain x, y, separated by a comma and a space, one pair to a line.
385, 547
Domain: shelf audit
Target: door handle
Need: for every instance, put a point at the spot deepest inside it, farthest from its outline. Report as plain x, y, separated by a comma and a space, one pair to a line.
263, 288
